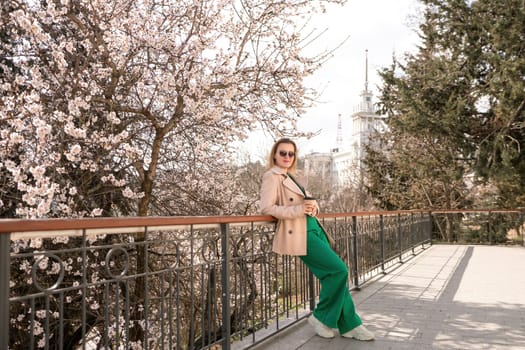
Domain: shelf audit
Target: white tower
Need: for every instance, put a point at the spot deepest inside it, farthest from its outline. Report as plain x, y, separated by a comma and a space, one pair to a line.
339, 140
365, 121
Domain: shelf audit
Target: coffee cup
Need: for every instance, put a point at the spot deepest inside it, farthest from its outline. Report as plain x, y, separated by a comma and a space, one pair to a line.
310, 200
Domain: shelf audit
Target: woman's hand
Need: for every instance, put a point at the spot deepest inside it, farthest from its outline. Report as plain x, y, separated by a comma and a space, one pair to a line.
310, 207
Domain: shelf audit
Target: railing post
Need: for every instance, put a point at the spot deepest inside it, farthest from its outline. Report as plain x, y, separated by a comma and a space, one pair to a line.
5, 265
522, 214
489, 228
400, 239
382, 242
430, 226
412, 227
225, 284
311, 282
311, 286
354, 243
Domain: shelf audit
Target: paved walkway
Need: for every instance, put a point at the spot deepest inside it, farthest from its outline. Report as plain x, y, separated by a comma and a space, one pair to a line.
448, 297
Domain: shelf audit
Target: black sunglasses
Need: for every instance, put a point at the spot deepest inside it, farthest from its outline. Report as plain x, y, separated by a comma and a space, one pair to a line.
284, 153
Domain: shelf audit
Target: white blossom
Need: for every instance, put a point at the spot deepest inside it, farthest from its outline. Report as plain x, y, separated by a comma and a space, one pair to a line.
35, 243
25, 266
37, 171
42, 264
96, 212
37, 328
43, 208
75, 150
128, 193
42, 131
60, 239
16, 138
55, 268
112, 117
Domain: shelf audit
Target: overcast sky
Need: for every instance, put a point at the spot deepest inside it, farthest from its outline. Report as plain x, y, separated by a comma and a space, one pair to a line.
380, 26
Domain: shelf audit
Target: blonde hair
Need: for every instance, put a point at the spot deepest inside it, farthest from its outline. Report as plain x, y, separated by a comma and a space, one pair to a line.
271, 157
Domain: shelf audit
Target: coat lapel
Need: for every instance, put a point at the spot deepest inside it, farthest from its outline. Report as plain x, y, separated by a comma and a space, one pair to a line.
287, 182
292, 186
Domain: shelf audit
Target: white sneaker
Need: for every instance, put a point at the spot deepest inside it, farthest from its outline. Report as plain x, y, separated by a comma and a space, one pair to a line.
321, 329
359, 333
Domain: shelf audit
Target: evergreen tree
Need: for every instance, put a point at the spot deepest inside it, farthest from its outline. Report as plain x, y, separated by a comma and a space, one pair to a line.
455, 109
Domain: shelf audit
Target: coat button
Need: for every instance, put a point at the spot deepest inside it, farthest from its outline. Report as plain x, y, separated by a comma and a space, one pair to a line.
290, 231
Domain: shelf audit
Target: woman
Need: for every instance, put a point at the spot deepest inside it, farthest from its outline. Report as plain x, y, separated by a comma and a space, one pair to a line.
298, 233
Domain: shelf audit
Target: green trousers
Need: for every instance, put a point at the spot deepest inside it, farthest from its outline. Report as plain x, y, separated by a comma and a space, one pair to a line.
335, 308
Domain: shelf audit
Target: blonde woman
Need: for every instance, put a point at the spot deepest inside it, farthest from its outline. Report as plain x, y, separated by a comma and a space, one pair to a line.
298, 233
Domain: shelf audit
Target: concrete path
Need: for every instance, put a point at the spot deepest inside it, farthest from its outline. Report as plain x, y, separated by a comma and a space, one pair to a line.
447, 297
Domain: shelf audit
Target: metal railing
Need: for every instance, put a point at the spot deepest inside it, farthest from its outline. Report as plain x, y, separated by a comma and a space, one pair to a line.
177, 282
479, 226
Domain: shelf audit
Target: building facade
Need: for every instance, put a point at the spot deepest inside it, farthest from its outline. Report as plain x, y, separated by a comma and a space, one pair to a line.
345, 161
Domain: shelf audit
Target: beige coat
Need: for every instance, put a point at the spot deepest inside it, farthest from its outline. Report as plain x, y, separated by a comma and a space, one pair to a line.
283, 199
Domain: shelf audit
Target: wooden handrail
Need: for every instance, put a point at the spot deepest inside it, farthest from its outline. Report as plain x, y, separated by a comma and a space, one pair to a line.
27, 225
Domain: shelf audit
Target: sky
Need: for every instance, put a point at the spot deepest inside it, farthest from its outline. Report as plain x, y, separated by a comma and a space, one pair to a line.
384, 28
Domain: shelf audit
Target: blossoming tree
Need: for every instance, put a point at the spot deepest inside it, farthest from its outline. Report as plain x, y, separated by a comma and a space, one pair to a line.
100, 97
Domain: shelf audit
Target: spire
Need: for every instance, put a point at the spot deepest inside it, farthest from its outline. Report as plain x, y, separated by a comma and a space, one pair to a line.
366, 70
339, 140
366, 104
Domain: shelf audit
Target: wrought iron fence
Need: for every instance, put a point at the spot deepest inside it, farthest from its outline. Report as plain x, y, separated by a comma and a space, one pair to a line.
479, 226
175, 283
